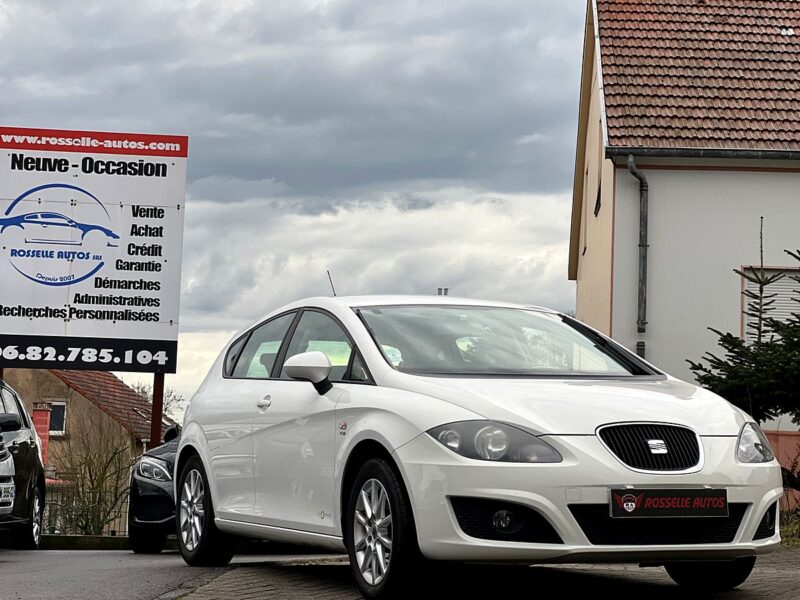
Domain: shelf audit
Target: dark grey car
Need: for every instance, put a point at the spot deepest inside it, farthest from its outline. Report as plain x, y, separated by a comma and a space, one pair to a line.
21, 441
151, 509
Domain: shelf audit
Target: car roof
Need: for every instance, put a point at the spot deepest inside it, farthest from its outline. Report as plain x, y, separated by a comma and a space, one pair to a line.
396, 300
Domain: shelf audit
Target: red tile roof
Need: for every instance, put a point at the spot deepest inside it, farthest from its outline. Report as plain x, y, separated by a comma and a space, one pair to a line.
113, 397
721, 74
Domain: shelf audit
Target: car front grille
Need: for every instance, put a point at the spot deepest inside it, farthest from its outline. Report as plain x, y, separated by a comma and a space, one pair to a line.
654, 447
603, 530
3, 449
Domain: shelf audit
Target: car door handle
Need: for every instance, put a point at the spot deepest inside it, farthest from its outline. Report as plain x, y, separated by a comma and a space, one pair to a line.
265, 402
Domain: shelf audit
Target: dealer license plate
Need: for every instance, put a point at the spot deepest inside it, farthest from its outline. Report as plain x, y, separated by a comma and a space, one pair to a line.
629, 503
6, 492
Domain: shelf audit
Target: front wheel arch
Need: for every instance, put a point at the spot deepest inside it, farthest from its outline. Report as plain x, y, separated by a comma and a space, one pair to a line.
186, 453
361, 453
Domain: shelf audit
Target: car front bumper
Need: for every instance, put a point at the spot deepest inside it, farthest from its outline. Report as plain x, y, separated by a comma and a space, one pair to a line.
7, 488
7, 494
152, 504
434, 475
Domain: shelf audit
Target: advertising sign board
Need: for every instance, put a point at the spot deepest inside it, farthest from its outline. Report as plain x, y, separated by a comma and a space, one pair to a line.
91, 236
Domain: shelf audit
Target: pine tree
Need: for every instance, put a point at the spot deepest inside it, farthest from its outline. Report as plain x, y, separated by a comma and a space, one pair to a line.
788, 369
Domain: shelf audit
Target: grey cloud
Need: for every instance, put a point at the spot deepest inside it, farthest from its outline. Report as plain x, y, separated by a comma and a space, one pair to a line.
405, 145
320, 96
511, 247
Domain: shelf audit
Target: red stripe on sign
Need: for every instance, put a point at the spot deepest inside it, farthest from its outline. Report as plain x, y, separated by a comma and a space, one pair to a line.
94, 142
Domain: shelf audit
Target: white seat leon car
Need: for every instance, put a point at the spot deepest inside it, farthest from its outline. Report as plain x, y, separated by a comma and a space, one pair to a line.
410, 429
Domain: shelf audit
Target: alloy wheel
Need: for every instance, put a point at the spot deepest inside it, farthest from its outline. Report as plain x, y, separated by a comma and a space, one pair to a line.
36, 520
372, 532
192, 510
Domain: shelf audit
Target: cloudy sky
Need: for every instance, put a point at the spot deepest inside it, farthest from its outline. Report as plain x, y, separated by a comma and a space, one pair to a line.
404, 145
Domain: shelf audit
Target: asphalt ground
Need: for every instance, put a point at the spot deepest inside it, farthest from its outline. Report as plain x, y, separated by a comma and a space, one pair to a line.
118, 575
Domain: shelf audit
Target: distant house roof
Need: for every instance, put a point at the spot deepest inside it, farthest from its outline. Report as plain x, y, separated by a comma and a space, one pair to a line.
113, 397
711, 74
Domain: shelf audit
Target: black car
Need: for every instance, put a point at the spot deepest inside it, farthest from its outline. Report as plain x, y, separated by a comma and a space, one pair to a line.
151, 509
24, 523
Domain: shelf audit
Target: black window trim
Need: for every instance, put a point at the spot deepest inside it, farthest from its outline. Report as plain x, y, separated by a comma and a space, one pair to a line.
284, 348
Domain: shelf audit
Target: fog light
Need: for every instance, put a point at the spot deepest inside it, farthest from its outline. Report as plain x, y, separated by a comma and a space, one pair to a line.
503, 520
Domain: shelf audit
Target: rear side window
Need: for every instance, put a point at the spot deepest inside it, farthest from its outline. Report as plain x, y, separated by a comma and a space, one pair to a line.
258, 357
9, 403
233, 354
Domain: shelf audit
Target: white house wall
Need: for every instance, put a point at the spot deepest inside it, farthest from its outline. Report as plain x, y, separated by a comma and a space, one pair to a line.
703, 224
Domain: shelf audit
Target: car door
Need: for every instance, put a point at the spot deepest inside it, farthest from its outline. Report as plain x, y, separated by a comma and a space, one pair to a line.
22, 445
294, 434
228, 415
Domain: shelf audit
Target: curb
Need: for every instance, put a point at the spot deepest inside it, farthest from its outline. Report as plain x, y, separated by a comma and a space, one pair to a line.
91, 542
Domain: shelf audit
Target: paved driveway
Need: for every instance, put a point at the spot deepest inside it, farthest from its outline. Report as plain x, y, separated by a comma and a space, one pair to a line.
777, 577
113, 575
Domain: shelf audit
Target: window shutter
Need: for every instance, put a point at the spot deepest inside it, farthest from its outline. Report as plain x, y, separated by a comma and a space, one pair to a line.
786, 290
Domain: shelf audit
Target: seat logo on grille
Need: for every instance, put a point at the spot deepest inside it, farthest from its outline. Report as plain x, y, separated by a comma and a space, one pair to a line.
657, 446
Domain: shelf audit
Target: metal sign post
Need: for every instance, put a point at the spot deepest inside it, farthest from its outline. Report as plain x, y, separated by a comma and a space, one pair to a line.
156, 413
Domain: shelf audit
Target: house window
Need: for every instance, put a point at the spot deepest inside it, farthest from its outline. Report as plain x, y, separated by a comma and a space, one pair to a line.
786, 294
58, 418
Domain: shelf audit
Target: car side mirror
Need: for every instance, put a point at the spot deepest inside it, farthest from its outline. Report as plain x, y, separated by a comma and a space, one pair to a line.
310, 366
10, 422
172, 433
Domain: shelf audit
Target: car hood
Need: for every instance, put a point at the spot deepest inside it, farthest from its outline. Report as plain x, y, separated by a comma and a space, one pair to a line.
166, 452
579, 407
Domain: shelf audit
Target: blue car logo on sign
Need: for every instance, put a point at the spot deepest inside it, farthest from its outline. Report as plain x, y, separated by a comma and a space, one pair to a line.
54, 228
48, 246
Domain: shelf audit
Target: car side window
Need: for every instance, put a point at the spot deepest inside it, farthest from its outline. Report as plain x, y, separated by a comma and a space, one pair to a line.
233, 355
9, 403
359, 372
26, 423
317, 331
259, 353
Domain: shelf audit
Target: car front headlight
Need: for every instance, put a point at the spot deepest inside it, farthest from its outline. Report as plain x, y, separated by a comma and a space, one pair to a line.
488, 440
753, 445
154, 468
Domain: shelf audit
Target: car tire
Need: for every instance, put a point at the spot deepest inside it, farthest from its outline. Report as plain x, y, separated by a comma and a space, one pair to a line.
142, 541
200, 542
29, 535
384, 555
711, 576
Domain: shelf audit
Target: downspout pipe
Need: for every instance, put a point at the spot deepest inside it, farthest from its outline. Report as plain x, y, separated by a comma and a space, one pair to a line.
644, 187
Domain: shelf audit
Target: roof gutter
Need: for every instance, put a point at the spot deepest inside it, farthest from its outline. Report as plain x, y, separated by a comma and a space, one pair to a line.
618, 151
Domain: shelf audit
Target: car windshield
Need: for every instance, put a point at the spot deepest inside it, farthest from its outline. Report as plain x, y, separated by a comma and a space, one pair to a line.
480, 340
